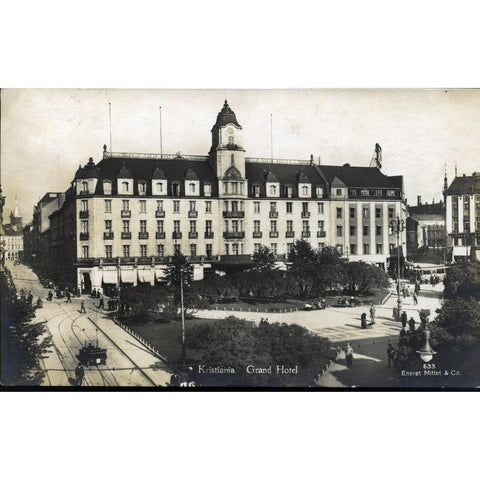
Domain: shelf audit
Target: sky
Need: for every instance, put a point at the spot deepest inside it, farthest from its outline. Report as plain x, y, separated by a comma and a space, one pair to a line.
47, 133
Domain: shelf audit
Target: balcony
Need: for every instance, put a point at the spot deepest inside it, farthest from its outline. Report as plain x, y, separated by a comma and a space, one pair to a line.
195, 258
257, 234
83, 213
236, 214
159, 213
273, 214
290, 234
108, 235
159, 235
126, 213
142, 235
177, 235
321, 234
306, 234
233, 235
192, 214
126, 235
306, 215
273, 235
84, 235
208, 234
192, 235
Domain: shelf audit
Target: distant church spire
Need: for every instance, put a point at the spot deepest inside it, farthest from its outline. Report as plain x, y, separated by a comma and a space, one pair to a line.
15, 211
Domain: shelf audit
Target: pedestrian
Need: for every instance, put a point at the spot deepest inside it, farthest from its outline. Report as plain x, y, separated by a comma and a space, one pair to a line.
403, 338
93, 294
79, 374
69, 297
82, 307
363, 320
50, 296
174, 380
411, 324
349, 355
372, 313
404, 319
391, 355
415, 299
404, 293
98, 293
100, 304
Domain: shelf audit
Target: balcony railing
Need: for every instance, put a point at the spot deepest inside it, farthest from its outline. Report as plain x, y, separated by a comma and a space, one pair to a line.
108, 235
159, 235
236, 214
84, 236
306, 234
83, 213
273, 214
126, 235
177, 235
192, 234
208, 234
142, 235
159, 213
233, 235
195, 258
273, 234
321, 234
305, 214
257, 234
192, 214
126, 213
290, 234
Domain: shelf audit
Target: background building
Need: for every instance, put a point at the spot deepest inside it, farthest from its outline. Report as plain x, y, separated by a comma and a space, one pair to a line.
13, 236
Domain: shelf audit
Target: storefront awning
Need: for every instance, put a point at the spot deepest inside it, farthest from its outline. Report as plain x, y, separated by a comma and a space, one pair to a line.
110, 276
128, 276
159, 274
145, 276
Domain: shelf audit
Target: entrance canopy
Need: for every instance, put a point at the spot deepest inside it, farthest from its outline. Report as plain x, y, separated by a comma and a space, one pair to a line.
110, 276
145, 276
127, 276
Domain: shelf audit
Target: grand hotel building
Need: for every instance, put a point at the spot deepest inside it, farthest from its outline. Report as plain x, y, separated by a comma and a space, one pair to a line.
126, 215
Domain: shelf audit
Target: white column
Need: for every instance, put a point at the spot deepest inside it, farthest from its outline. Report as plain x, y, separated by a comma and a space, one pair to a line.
460, 213
359, 228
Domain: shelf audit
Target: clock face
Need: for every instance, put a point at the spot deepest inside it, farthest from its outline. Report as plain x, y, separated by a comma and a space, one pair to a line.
230, 130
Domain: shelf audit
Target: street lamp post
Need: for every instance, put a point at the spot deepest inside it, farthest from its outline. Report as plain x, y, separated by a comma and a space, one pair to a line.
183, 321
397, 227
426, 352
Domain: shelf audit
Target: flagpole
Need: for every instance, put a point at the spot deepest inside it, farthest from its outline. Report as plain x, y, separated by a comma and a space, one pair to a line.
110, 120
271, 136
161, 144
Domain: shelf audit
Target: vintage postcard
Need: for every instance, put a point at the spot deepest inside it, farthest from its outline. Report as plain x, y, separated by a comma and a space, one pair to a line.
231, 239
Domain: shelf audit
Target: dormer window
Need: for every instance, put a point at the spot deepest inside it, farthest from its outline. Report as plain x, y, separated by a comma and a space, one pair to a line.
289, 192
304, 190
319, 192
234, 187
85, 187
273, 190
176, 189
142, 188
124, 187
107, 187
159, 187
339, 192
256, 190
207, 188
230, 139
191, 187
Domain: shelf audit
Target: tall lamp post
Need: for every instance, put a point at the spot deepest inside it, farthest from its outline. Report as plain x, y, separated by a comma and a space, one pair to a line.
184, 356
426, 352
397, 227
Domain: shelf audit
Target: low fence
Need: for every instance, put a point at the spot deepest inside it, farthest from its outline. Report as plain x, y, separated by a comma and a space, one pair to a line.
326, 368
140, 339
255, 309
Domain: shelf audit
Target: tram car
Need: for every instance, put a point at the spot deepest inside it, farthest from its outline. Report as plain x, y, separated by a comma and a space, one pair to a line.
92, 355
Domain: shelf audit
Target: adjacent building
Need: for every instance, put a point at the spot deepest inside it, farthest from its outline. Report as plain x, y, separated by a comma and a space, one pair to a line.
125, 216
463, 217
12, 238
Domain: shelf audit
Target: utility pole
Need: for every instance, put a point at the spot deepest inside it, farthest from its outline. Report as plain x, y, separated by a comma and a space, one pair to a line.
183, 321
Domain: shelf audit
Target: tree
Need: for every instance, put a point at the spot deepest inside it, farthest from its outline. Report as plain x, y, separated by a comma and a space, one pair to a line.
146, 300
331, 270
303, 265
463, 281
362, 278
24, 341
264, 259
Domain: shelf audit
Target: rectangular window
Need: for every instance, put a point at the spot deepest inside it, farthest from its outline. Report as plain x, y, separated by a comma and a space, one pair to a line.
208, 226
352, 212
339, 212
320, 207
273, 248
85, 205
143, 251
304, 207
365, 231
126, 251
193, 249
256, 207
366, 212
364, 192
391, 247
378, 212
108, 225
256, 247
159, 205
366, 249
143, 206
390, 212
143, 226
193, 226
84, 226
176, 206
108, 251
256, 226
108, 206
235, 226
289, 207
289, 225
305, 226
339, 192
160, 250
339, 231
353, 249
192, 205
378, 230
234, 248
321, 225
289, 247
378, 193
159, 226
176, 248
352, 231
176, 226
321, 246
208, 206
379, 248
85, 251
273, 206
390, 193
126, 226
273, 225
126, 205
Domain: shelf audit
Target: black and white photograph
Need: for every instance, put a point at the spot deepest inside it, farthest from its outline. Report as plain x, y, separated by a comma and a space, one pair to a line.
244, 238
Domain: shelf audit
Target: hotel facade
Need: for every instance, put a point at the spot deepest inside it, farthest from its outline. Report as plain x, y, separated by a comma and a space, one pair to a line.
125, 216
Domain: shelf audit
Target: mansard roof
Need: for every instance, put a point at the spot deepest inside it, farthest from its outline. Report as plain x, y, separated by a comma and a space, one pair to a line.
465, 185
90, 170
284, 173
360, 176
190, 174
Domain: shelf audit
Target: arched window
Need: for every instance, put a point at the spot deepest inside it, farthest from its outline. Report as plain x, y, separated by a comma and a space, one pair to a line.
142, 188
107, 187
304, 190
230, 139
124, 187
159, 187
256, 190
273, 189
191, 187
319, 192
84, 186
207, 188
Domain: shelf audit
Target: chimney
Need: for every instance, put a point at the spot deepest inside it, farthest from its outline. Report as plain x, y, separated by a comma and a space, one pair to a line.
311, 159
419, 200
